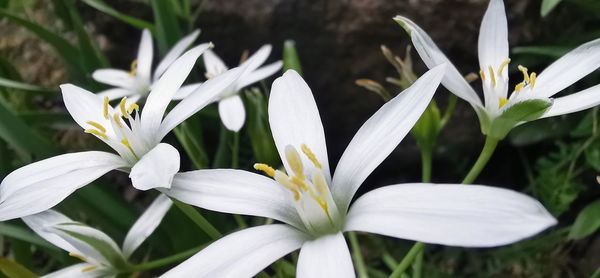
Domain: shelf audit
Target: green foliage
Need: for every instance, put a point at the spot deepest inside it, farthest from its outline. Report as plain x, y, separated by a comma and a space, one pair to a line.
135, 22
13, 269
290, 57
258, 129
548, 6
519, 112
587, 222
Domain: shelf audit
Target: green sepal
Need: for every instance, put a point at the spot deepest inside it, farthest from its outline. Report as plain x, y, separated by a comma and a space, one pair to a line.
523, 111
428, 127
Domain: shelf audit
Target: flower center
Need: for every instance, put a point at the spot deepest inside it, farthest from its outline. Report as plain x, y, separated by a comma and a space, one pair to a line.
308, 188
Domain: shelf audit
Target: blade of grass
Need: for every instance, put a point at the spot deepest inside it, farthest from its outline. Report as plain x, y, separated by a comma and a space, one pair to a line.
4, 82
165, 20
135, 22
16, 232
21, 137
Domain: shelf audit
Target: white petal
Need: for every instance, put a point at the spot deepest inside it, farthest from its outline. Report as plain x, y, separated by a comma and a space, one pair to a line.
576, 102
259, 74
41, 185
567, 70
40, 222
115, 93
114, 77
294, 119
241, 254
449, 214
232, 112
165, 88
186, 90
73, 233
234, 191
144, 58
202, 96
76, 271
146, 224
156, 168
174, 53
493, 36
326, 256
258, 58
380, 135
433, 56
85, 106
213, 64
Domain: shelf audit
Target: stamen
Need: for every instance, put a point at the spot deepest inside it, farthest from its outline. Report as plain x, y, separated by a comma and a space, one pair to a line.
75, 255
122, 107
300, 183
105, 107
492, 76
97, 133
524, 71
125, 142
97, 125
504, 64
132, 107
502, 102
265, 168
519, 86
532, 78
117, 120
133, 68
89, 268
482, 75
284, 181
295, 162
311, 156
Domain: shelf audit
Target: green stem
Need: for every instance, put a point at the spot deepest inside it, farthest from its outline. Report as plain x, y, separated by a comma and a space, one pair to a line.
408, 259
235, 149
418, 265
426, 164
167, 260
361, 267
202, 222
482, 160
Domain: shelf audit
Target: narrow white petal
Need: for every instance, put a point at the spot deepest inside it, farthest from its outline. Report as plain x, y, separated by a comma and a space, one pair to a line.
85, 106
40, 222
146, 224
115, 93
144, 57
493, 36
39, 186
433, 56
205, 94
165, 88
186, 90
213, 64
156, 168
380, 135
576, 102
76, 270
449, 214
114, 77
174, 53
326, 256
241, 254
294, 119
259, 74
258, 58
234, 191
232, 112
73, 232
567, 70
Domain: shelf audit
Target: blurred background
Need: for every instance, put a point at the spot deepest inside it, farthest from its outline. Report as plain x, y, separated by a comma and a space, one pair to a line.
555, 160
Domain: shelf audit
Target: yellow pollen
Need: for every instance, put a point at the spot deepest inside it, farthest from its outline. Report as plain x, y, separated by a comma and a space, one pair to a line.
117, 120
532, 78
97, 126
294, 160
482, 75
504, 64
125, 143
133, 68
519, 86
89, 268
524, 71
311, 156
132, 107
265, 168
492, 76
97, 133
502, 102
105, 107
75, 255
122, 107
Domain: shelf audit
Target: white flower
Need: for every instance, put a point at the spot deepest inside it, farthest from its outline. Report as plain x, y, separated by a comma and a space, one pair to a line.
101, 256
231, 107
135, 135
530, 99
139, 81
316, 207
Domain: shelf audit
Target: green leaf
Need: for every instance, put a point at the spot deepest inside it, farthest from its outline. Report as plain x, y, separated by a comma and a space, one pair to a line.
167, 29
14, 270
548, 6
23, 234
592, 155
259, 132
190, 139
540, 130
135, 22
552, 51
587, 222
523, 111
290, 57
23, 86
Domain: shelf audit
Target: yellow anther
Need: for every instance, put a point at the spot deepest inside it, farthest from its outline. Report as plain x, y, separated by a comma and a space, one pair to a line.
311, 156
133, 68
524, 71
97, 126
492, 76
75, 255
117, 120
284, 181
503, 65
132, 107
105, 107
97, 133
482, 75
294, 161
89, 268
502, 101
300, 183
532, 78
125, 143
265, 168
122, 107
519, 86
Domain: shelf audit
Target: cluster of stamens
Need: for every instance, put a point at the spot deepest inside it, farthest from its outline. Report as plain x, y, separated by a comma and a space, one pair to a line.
528, 79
